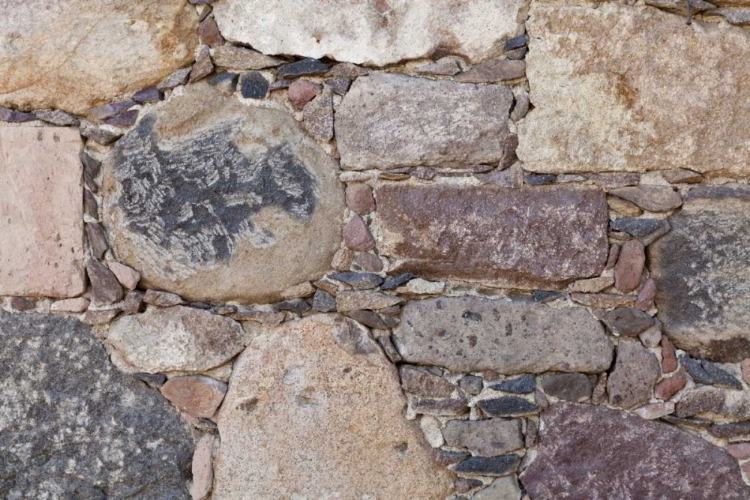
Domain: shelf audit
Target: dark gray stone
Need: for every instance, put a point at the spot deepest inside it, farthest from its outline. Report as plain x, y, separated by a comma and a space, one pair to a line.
521, 385
105, 289
111, 109
471, 384
545, 296
732, 432
124, 119
225, 82
14, 116
637, 228
389, 349
588, 452
539, 179
695, 370
85, 431
302, 68
489, 466
574, 387
358, 281
90, 205
440, 407
90, 164
720, 377
97, 239
324, 301
149, 94
516, 42
508, 406
485, 438
298, 306
253, 85
627, 322
372, 319
58, 117
151, 379
397, 281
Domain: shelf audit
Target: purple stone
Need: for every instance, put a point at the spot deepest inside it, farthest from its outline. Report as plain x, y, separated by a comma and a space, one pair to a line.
11, 115
124, 119
149, 94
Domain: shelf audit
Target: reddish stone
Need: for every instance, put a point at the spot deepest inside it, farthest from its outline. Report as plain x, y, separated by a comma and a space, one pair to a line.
209, 33
668, 356
739, 451
668, 387
645, 300
359, 198
614, 252
525, 237
196, 395
357, 235
629, 266
22, 304
746, 370
203, 65
369, 262
302, 91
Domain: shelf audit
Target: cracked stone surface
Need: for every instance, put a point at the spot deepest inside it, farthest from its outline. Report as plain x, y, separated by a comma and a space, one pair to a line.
72, 426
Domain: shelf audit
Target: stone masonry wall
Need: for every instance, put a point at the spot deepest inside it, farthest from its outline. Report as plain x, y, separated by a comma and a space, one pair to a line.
375, 250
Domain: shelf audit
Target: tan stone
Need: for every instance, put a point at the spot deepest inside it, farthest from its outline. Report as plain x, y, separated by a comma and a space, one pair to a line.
75, 54
649, 95
371, 33
126, 275
592, 285
76, 305
314, 410
41, 202
196, 395
175, 338
260, 202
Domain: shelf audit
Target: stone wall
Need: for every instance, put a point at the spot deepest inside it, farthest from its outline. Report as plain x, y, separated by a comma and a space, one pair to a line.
374, 250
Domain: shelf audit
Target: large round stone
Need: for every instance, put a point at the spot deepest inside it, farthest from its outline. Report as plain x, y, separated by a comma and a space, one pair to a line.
216, 200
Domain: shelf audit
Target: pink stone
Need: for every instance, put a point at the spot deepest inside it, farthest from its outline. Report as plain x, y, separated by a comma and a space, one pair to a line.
302, 91
203, 474
645, 300
746, 370
359, 198
196, 395
614, 252
76, 305
739, 451
668, 356
668, 387
41, 202
126, 275
357, 235
629, 266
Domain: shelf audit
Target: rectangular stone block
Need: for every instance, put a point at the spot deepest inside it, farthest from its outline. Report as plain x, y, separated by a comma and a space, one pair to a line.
387, 121
702, 276
520, 237
41, 212
650, 95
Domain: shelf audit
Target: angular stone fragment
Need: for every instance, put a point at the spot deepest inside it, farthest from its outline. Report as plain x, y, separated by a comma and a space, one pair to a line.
610, 454
259, 202
127, 276
527, 238
302, 91
76, 54
636, 372
655, 410
449, 407
639, 228
446, 66
314, 409
105, 289
484, 438
197, 395
700, 272
630, 266
302, 68
494, 71
593, 109
318, 116
700, 400
651, 198
670, 386
508, 406
57, 117
575, 387
41, 248
176, 338
511, 337
389, 120
423, 383
627, 322
202, 469
504, 488
240, 58
365, 299
174, 79
489, 466
376, 33
521, 385
85, 430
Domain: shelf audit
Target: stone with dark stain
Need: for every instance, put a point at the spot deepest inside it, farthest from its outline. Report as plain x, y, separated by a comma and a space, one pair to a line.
358, 281
513, 337
703, 371
589, 452
700, 269
215, 200
85, 431
526, 237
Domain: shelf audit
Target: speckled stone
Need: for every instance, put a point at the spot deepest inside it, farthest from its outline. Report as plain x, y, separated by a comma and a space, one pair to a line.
610, 454
486, 438
137, 443
636, 371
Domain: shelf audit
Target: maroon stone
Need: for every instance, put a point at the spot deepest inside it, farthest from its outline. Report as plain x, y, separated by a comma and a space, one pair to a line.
357, 235
668, 356
614, 252
302, 91
359, 198
124, 119
588, 452
629, 266
525, 237
670, 386
209, 33
645, 300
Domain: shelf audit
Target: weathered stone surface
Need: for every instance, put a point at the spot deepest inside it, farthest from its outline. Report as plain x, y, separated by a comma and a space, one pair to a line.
629, 112
494, 71
76, 305
670, 386
508, 406
388, 120
651, 198
259, 203
377, 33
701, 274
41, 248
365, 299
423, 383
314, 410
504, 488
627, 322
105, 289
72, 55
229, 56
485, 438
529, 237
203, 474
700, 400
75, 427
610, 454
630, 266
488, 466
197, 395
636, 372
521, 385
506, 336
575, 387
175, 338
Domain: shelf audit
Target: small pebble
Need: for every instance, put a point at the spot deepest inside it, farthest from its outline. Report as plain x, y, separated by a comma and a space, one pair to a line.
302, 91
148, 94
253, 85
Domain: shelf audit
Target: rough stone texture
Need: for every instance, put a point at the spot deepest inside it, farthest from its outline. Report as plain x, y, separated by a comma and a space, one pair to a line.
314, 410
229, 56
371, 33
670, 386
175, 338
197, 395
504, 488
651, 198
485, 438
608, 102
41, 249
596, 452
470, 334
423, 383
105, 289
528, 237
203, 473
75, 54
636, 372
701, 274
72, 426
259, 203
388, 120
575, 387
627, 322
630, 266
